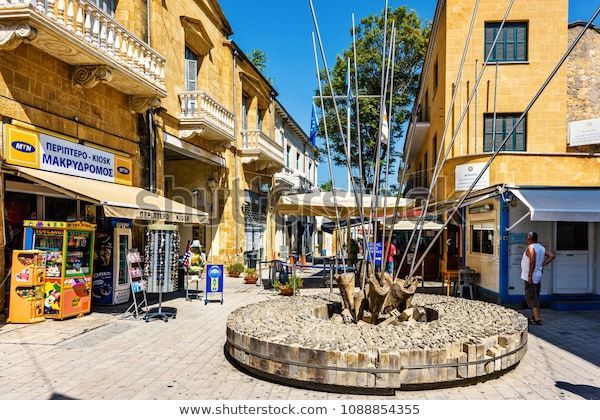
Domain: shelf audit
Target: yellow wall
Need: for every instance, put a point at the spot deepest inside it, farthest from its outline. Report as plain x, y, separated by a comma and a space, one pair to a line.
517, 83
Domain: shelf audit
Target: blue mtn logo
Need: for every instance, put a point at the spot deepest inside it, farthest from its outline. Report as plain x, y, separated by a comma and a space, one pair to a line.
23, 147
123, 170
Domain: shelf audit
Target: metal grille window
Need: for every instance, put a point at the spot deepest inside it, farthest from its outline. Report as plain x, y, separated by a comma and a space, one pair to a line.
511, 44
504, 125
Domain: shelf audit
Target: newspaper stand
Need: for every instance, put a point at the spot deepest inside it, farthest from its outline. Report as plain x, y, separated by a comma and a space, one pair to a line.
138, 285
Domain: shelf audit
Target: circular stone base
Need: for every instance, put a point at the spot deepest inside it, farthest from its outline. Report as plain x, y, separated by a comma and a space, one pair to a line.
294, 339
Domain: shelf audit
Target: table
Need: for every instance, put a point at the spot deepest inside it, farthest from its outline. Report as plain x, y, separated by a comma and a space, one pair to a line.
448, 275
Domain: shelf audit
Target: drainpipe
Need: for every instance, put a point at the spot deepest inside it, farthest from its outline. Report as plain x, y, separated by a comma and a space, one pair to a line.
236, 197
150, 118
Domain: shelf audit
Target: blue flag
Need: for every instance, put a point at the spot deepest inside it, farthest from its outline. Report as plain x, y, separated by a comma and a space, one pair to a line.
314, 127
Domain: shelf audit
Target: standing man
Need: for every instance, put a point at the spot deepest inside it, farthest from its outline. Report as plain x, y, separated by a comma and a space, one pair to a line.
534, 259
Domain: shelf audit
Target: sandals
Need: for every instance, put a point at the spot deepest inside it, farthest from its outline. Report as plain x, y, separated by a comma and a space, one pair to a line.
535, 321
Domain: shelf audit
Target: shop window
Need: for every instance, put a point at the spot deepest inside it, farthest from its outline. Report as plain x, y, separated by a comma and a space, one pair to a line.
60, 209
482, 238
504, 125
511, 44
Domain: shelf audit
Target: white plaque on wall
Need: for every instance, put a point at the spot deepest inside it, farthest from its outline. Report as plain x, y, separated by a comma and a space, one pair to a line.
582, 133
466, 174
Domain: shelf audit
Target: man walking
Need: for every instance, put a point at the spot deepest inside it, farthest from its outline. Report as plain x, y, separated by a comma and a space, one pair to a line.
534, 259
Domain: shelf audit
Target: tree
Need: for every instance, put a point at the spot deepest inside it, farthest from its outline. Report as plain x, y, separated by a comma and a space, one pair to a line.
411, 48
259, 59
326, 186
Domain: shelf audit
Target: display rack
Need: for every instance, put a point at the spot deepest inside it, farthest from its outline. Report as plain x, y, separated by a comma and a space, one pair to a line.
27, 287
161, 257
68, 254
138, 285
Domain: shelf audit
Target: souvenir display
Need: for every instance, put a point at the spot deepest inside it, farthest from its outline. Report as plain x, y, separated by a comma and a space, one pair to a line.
161, 256
67, 253
27, 287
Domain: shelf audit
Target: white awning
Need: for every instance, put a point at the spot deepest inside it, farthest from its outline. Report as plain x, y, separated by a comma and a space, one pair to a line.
561, 204
410, 225
323, 204
118, 200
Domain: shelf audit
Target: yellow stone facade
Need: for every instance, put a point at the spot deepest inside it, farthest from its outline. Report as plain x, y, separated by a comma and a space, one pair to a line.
230, 155
517, 83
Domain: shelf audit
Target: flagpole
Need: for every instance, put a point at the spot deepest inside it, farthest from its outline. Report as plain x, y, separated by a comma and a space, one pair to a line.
330, 166
348, 131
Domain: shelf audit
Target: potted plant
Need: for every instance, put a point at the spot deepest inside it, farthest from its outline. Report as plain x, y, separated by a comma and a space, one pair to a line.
251, 276
287, 288
235, 269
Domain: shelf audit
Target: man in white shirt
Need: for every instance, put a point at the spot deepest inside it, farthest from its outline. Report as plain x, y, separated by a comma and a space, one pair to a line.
534, 259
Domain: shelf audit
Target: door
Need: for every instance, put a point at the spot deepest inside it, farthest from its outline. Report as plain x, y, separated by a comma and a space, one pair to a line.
573, 258
122, 241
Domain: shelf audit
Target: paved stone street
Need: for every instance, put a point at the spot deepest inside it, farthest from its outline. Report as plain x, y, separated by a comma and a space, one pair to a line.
103, 357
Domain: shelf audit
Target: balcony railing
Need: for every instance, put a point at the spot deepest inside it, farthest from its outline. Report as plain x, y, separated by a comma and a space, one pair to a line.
80, 33
258, 146
200, 109
287, 175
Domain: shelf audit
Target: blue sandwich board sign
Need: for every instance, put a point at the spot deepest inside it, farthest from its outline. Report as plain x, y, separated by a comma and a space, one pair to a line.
377, 250
215, 275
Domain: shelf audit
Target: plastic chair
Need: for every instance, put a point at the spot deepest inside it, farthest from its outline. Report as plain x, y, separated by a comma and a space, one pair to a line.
465, 280
193, 279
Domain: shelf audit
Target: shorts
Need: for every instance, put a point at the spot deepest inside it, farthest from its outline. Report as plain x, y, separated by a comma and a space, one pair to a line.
532, 294
389, 268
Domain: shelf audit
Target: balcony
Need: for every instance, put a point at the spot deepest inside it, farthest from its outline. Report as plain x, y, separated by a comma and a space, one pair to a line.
288, 177
202, 115
262, 150
95, 44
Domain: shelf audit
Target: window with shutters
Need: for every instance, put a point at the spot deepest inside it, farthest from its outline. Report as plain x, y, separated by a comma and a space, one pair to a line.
191, 70
245, 112
512, 42
426, 170
504, 125
435, 151
259, 124
109, 6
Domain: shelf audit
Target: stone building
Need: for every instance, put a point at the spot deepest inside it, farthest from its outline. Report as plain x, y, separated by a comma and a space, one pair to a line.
160, 90
299, 175
538, 181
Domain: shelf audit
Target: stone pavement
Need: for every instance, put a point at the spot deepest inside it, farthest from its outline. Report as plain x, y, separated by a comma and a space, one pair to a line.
103, 357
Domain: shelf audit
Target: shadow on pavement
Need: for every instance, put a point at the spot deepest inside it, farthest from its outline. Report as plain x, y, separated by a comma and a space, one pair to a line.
588, 392
575, 332
57, 396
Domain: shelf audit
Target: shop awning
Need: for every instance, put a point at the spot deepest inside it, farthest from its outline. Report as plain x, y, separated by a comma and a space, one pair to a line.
118, 200
410, 225
323, 204
561, 204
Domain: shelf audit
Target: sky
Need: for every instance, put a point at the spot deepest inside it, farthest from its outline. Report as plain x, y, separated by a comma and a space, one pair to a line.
282, 29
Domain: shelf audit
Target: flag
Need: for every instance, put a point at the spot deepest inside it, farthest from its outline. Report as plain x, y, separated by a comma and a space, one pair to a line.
314, 127
385, 129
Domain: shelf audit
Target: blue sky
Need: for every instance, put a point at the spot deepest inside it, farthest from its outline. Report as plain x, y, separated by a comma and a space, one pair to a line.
283, 30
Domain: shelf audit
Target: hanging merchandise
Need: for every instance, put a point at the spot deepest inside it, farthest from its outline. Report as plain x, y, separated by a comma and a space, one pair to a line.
161, 258
162, 254
27, 287
68, 253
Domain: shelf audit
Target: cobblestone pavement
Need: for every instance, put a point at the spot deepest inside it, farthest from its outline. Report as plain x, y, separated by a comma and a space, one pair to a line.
103, 357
